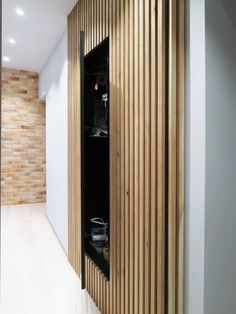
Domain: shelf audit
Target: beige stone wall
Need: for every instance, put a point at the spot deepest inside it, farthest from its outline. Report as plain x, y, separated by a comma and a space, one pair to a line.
23, 139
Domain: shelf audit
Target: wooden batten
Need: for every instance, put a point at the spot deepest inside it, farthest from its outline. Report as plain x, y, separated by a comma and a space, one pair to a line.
146, 42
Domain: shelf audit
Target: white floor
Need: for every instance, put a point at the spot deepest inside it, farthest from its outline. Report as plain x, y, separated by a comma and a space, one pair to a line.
36, 277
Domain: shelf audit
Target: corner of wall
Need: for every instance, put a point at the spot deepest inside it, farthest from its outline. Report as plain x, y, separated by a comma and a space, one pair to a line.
195, 158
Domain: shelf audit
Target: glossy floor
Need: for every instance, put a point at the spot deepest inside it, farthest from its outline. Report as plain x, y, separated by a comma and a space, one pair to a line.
36, 277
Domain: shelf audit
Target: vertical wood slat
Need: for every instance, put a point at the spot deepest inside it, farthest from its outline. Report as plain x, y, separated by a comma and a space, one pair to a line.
71, 245
104, 296
77, 140
84, 17
103, 18
122, 160
91, 23
131, 157
73, 145
153, 183
126, 159
100, 21
141, 108
118, 161
94, 23
86, 26
102, 279
104, 9
87, 279
176, 194
137, 157
180, 153
108, 5
172, 210
73, 123
94, 281
108, 299
161, 162
99, 291
97, 22
147, 150
113, 292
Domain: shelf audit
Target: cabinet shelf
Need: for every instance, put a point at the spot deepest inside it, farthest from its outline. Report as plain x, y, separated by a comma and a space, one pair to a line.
98, 136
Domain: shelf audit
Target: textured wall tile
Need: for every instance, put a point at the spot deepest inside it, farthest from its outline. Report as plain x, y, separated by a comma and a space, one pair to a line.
23, 139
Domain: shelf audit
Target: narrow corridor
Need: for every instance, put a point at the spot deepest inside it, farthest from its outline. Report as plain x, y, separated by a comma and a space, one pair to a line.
29, 243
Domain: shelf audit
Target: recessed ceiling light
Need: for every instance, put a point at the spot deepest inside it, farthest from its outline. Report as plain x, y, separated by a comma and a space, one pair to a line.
11, 40
20, 11
6, 59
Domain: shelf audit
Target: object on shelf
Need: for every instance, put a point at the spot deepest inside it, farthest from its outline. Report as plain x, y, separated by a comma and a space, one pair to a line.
97, 132
99, 235
100, 113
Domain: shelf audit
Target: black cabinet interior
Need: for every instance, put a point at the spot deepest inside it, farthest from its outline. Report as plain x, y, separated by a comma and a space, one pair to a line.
96, 156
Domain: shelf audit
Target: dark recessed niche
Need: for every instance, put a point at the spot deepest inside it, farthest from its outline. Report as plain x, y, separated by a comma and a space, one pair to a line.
96, 156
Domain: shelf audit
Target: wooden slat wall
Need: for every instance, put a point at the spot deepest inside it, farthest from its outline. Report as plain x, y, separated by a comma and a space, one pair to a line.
137, 30
85, 16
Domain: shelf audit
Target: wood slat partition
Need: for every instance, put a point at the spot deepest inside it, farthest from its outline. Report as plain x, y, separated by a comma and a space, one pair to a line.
146, 179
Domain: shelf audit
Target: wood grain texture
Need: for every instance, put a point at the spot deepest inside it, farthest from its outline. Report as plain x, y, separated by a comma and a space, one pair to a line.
176, 157
146, 213
180, 152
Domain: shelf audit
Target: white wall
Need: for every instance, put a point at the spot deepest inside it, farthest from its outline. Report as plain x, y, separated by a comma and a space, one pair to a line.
210, 261
195, 157
53, 86
220, 234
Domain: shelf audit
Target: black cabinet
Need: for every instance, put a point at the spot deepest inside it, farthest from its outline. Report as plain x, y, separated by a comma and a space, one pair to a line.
95, 156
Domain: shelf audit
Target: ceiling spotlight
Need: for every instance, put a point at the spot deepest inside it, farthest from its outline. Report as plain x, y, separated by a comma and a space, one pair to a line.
6, 59
19, 11
11, 40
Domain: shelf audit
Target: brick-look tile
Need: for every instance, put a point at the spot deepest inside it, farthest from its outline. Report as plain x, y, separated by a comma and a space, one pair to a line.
23, 139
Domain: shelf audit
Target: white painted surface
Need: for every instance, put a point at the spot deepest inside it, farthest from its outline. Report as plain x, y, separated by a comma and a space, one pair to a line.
195, 158
53, 87
36, 277
36, 32
220, 235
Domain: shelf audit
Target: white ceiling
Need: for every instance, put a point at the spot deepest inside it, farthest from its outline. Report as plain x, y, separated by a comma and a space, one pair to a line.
36, 32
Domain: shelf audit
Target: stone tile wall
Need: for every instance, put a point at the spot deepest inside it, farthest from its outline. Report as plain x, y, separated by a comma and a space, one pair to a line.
22, 140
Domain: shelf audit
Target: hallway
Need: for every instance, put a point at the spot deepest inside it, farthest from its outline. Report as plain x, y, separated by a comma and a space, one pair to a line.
29, 243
